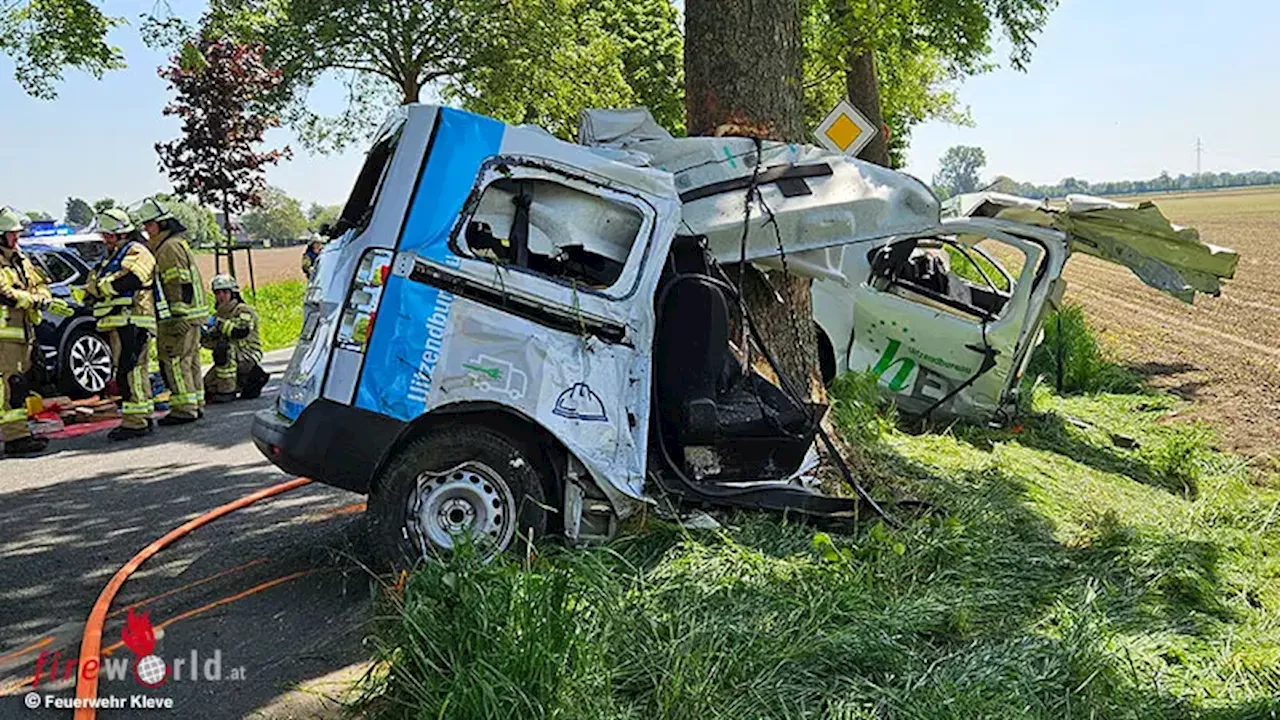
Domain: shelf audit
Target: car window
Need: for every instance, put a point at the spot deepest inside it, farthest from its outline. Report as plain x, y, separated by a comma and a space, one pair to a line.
91, 252
56, 269
554, 230
364, 196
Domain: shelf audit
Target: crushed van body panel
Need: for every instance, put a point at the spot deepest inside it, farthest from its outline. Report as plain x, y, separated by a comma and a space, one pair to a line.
447, 329
1165, 256
810, 199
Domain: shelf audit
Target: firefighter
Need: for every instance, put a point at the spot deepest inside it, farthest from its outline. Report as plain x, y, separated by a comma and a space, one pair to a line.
124, 306
310, 255
181, 308
23, 296
232, 334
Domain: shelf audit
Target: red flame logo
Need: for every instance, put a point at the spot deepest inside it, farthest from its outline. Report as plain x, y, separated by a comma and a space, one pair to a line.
137, 633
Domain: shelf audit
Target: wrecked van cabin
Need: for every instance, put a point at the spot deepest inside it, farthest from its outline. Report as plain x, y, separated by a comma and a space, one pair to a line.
514, 336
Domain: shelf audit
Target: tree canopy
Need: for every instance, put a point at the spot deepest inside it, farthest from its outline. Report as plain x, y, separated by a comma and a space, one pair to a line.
538, 61
202, 227
78, 212
277, 217
920, 49
43, 37
222, 89
321, 215
958, 170
611, 53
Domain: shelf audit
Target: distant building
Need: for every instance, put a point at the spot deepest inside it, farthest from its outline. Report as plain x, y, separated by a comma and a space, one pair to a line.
240, 236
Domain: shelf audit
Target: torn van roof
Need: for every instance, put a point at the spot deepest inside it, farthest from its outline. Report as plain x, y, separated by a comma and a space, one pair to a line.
811, 198
1165, 256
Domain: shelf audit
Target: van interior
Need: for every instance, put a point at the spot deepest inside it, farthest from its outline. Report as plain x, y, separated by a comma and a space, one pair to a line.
720, 420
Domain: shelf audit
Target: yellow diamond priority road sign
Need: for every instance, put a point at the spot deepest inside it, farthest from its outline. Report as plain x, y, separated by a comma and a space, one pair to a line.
844, 130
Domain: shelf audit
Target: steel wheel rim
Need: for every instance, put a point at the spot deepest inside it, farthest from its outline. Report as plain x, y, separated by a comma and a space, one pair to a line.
90, 361
471, 500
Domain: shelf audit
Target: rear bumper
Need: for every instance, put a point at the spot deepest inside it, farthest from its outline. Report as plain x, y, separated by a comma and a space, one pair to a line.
331, 443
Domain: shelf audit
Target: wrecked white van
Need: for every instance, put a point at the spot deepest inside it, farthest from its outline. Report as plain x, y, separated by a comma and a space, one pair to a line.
513, 335
947, 319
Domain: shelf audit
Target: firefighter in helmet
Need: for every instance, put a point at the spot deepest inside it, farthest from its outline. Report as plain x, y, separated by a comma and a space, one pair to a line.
124, 307
181, 308
232, 334
23, 296
311, 255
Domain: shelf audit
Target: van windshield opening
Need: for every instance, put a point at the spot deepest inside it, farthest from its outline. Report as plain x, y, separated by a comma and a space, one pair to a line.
554, 230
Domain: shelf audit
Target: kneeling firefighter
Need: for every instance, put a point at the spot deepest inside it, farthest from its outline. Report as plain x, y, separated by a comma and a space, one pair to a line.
232, 334
124, 307
23, 296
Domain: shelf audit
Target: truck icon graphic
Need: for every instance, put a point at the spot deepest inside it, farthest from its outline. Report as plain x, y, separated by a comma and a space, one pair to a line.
493, 375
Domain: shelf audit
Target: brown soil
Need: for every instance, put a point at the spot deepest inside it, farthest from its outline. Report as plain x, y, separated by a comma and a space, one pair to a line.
269, 266
1223, 354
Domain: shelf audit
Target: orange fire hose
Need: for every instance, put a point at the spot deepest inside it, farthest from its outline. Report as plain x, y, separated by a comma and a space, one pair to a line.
91, 645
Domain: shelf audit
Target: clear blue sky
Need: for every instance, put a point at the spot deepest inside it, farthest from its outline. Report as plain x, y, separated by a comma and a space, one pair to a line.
1115, 90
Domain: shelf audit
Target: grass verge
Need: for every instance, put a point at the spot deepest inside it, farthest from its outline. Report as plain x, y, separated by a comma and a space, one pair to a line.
279, 308
1100, 559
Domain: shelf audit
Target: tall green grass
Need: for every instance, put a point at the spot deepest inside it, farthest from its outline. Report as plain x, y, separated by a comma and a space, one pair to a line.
279, 308
967, 266
1069, 576
1071, 352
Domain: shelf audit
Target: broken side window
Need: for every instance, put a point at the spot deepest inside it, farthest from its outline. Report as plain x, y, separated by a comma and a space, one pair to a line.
970, 280
553, 229
358, 209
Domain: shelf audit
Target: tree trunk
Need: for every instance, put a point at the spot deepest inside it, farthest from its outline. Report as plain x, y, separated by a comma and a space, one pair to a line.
412, 90
743, 67
231, 238
864, 92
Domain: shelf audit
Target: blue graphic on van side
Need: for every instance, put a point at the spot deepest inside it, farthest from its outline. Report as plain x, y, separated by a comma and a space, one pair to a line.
413, 318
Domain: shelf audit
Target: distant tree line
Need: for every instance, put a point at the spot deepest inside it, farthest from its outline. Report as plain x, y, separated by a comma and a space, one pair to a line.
1163, 183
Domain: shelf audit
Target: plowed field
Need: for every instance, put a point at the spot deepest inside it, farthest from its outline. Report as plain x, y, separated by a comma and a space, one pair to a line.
269, 266
1222, 353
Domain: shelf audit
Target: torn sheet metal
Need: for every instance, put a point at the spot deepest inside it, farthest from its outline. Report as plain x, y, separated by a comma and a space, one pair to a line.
809, 199
1165, 256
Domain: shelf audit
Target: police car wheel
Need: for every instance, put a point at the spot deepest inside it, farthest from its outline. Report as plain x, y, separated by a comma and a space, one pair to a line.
460, 485
86, 364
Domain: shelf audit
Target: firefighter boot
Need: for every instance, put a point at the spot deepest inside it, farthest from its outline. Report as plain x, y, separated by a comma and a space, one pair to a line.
128, 433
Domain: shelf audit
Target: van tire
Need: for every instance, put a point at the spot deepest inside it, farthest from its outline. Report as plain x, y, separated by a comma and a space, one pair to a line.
491, 474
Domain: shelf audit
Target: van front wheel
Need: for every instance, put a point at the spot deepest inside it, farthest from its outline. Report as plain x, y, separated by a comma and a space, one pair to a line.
459, 484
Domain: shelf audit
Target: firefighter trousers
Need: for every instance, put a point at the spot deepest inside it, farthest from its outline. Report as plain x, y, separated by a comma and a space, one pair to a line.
178, 349
15, 362
130, 347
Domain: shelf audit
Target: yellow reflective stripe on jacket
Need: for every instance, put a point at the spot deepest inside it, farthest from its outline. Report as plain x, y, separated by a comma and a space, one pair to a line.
102, 307
178, 273
12, 333
180, 399
13, 415
139, 261
138, 408
145, 322
183, 310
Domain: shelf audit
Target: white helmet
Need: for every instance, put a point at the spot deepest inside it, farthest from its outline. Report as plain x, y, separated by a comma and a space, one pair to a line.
224, 282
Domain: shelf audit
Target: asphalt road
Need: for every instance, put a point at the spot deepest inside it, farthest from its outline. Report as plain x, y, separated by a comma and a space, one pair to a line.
277, 589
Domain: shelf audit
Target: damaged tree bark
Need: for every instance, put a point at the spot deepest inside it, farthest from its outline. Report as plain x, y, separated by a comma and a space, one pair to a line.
743, 72
863, 86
